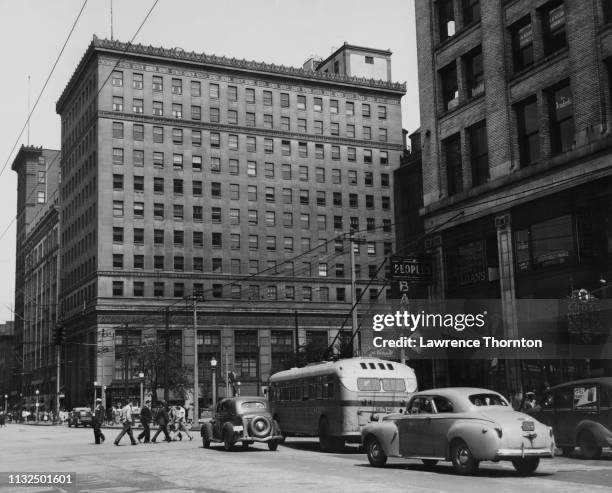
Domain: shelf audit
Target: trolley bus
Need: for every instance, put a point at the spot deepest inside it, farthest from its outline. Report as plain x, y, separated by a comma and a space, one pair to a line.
334, 400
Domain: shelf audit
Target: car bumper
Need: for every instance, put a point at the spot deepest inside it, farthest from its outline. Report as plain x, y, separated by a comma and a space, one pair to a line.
514, 453
271, 438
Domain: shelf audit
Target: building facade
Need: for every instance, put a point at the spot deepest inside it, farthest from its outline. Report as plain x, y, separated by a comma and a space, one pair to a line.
36, 280
516, 144
186, 175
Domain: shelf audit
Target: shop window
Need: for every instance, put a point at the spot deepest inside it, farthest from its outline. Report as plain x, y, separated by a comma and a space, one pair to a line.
545, 244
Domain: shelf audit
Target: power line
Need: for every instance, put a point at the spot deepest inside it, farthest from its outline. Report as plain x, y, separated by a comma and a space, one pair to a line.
25, 125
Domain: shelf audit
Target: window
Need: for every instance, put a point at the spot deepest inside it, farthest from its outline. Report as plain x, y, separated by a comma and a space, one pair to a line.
196, 163
178, 212
284, 100
216, 240
196, 89
252, 193
158, 135
454, 172
303, 173
217, 264
213, 91
446, 19
286, 171
158, 289
304, 197
369, 200
334, 128
305, 270
384, 157
234, 216
367, 156
352, 177
158, 211
384, 178
338, 222
382, 134
253, 242
367, 133
386, 203
196, 112
561, 111
553, 27
321, 222
285, 147
177, 161
340, 294
117, 78
158, 83
287, 195
158, 108
287, 219
369, 60
249, 94
289, 295
178, 238
270, 218
474, 73
215, 139
177, 86
215, 189
333, 106
196, 138
139, 183
267, 121
301, 102
232, 117
117, 261
252, 217
305, 221
336, 179
232, 93
253, 266
318, 128
370, 224
317, 104
117, 155
350, 131
213, 115
545, 244
302, 125
305, 245
285, 123
139, 262
471, 11
337, 199
354, 224
197, 213
387, 226
235, 266
350, 108
117, 288
479, 153
234, 191
288, 243
269, 170
177, 110
177, 135
450, 87
251, 168
198, 239
335, 153
158, 238
269, 146
528, 131
365, 110
267, 98
179, 290
117, 234
522, 44
371, 249
232, 142
234, 167
270, 195
117, 103
368, 178
117, 206
117, 130
321, 198
271, 292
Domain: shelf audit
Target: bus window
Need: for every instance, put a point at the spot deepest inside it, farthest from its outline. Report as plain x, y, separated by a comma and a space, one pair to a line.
394, 384
364, 366
298, 391
328, 390
389, 366
372, 366
381, 366
368, 384
319, 388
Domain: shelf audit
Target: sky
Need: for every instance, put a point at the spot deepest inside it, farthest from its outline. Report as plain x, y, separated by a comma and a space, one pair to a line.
287, 32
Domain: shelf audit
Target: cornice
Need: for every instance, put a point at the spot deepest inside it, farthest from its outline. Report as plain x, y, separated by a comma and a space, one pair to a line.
222, 62
254, 131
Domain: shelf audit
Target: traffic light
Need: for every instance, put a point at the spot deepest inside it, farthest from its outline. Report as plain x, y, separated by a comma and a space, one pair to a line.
59, 334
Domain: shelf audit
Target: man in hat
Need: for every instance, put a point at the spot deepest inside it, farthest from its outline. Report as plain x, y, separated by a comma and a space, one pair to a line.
145, 418
162, 420
126, 421
98, 417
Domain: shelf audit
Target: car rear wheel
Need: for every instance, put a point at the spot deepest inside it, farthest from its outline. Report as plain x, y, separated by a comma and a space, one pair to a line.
228, 443
272, 445
526, 465
429, 462
462, 458
376, 454
588, 446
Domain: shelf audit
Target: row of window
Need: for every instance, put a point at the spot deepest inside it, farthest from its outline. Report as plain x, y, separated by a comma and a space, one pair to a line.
249, 97
138, 181
159, 157
178, 210
251, 292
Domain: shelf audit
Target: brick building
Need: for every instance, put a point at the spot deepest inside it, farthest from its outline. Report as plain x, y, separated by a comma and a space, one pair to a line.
185, 174
517, 159
36, 279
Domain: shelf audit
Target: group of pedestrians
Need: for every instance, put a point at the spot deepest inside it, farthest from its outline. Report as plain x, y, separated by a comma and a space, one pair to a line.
168, 419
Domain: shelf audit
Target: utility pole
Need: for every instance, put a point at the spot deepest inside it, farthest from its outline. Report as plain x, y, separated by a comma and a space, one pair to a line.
196, 393
297, 340
167, 350
125, 363
352, 242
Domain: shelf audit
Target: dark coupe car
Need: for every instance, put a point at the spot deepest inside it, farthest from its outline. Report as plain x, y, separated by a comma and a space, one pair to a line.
580, 413
241, 419
80, 416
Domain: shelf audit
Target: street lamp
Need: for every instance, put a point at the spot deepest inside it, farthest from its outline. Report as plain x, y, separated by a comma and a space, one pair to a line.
213, 367
141, 376
238, 384
96, 383
5, 404
37, 392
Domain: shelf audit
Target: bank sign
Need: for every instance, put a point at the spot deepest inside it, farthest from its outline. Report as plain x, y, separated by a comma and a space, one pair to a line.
416, 270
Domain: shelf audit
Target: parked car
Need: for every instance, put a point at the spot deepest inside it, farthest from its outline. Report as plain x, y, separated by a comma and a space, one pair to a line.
463, 425
241, 419
580, 413
80, 416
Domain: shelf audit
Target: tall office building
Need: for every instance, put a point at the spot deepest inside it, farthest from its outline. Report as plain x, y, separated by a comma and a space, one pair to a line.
515, 134
36, 279
187, 174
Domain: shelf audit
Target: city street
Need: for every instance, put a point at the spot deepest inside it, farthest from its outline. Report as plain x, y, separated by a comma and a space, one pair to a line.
298, 466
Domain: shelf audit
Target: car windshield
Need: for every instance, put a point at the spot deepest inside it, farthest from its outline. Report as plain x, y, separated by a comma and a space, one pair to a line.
488, 400
253, 405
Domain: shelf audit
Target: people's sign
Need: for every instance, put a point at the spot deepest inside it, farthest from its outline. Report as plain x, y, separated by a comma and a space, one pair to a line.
412, 269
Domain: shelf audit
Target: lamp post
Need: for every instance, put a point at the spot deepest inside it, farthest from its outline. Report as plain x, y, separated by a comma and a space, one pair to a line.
141, 376
238, 391
213, 367
5, 404
96, 383
37, 392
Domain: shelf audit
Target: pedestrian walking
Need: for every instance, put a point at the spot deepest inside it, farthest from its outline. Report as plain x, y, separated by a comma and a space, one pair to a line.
98, 418
180, 422
2, 419
145, 418
162, 420
126, 421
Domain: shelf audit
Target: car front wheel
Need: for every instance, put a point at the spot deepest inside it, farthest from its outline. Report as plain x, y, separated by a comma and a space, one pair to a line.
462, 458
228, 443
588, 446
526, 466
375, 452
